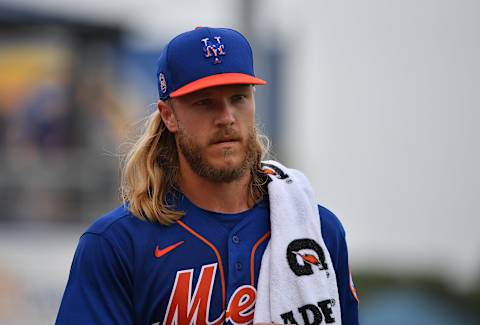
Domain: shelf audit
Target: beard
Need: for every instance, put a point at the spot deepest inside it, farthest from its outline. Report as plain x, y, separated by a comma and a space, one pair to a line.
194, 154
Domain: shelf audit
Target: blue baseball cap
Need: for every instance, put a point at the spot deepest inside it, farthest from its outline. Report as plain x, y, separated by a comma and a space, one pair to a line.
205, 57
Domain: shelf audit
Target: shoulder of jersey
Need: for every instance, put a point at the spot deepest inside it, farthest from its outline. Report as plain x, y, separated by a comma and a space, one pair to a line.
118, 217
330, 222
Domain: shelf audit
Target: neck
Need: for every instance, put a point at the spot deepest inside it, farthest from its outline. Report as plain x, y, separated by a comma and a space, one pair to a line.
231, 197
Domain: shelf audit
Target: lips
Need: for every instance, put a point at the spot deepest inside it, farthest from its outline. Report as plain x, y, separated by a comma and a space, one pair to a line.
217, 141
226, 135
223, 138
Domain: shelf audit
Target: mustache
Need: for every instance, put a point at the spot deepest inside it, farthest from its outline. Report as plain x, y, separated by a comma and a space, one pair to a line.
225, 134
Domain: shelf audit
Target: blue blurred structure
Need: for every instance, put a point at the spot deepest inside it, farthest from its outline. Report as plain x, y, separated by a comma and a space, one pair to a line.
59, 114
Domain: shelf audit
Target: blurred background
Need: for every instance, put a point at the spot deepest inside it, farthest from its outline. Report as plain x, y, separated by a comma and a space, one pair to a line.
378, 102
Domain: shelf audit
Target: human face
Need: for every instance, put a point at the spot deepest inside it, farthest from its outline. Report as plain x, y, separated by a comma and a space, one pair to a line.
215, 131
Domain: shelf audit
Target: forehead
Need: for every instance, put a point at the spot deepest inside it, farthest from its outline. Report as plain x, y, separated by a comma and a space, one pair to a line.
217, 90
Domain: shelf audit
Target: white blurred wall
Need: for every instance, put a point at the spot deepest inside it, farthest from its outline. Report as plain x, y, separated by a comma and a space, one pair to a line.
384, 96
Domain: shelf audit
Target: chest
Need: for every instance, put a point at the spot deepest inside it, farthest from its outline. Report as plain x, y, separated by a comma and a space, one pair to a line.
200, 272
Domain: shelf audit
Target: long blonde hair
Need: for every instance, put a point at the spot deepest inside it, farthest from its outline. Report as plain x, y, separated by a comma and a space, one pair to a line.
151, 167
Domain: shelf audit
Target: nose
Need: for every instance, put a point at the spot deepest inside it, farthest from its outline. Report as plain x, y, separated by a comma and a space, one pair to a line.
225, 113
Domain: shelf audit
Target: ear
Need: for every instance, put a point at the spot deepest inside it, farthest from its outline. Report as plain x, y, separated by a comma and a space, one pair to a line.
168, 117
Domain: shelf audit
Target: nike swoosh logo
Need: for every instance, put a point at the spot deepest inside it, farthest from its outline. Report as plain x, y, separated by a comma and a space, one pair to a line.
160, 252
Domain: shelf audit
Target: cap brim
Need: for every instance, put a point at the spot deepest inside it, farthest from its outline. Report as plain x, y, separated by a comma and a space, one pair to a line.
218, 80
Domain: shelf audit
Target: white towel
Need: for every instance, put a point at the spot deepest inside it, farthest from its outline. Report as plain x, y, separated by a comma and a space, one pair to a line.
297, 282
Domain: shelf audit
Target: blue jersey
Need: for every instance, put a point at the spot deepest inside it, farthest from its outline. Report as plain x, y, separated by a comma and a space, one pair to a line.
202, 269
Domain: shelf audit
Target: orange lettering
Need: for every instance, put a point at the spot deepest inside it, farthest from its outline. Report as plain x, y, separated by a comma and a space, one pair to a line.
240, 306
182, 307
185, 309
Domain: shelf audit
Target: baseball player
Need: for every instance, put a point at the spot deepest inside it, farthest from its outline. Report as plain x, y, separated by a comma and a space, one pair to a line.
186, 247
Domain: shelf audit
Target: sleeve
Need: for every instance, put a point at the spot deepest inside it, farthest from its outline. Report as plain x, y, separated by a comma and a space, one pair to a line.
334, 237
99, 288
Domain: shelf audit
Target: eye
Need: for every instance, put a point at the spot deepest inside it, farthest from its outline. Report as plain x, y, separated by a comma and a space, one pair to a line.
239, 98
203, 102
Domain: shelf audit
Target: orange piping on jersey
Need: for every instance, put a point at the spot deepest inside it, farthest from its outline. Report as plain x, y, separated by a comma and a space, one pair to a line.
252, 257
220, 265
352, 286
